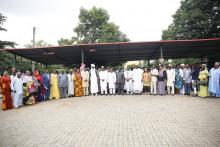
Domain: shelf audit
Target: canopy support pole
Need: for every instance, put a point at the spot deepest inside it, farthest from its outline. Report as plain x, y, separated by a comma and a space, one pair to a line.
82, 56
14, 60
161, 52
148, 63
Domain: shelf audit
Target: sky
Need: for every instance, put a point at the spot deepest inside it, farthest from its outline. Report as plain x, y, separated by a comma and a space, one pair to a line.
140, 20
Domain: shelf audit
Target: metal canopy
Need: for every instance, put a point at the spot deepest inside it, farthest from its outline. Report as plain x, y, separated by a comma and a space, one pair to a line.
102, 53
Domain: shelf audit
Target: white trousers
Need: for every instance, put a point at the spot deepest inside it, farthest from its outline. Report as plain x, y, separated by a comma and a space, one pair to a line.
153, 87
112, 90
18, 100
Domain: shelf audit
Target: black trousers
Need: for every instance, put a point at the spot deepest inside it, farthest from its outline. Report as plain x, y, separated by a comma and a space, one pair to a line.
120, 87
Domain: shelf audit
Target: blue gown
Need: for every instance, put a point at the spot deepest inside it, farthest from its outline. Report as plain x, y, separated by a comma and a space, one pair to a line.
214, 86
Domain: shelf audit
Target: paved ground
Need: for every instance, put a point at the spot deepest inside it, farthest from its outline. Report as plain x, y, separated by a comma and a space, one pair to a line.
114, 121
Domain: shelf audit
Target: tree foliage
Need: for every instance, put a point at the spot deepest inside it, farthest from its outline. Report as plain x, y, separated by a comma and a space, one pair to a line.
94, 27
195, 19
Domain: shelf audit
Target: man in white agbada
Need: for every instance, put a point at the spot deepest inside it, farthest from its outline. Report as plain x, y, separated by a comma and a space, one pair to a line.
103, 76
137, 80
128, 74
111, 81
182, 67
153, 85
12, 77
17, 88
170, 79
94, 89
70, 77
85, 81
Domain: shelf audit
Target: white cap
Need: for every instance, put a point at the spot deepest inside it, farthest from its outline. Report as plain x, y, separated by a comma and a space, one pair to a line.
182, 65
92, 65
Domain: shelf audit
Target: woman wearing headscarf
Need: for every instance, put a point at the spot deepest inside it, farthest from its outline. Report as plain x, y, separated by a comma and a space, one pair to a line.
162, 76
40, 90
203, 81
5, 82
78, 83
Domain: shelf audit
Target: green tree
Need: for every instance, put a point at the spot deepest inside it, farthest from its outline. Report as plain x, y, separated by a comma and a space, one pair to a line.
5, 58
195, 19
94, 27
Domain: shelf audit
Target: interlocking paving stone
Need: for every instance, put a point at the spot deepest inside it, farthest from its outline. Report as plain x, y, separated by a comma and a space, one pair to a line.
114, 121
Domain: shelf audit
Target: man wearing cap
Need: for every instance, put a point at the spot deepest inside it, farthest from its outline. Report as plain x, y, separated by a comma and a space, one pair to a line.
85, 81
170, 79
214, 80
137, 80
103, 75
63, 84
182, 67
94, 80
128, 75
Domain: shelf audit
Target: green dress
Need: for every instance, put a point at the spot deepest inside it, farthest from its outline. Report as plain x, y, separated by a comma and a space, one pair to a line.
203, 89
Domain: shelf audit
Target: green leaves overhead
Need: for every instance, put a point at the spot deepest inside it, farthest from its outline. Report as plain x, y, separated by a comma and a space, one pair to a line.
94, 27
195, 19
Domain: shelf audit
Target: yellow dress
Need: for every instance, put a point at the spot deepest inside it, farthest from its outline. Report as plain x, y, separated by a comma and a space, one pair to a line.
203, 89
54, 88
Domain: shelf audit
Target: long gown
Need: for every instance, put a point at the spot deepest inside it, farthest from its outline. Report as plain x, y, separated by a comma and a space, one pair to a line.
214, 86
203, 89
6, 93
78, 85
54, 88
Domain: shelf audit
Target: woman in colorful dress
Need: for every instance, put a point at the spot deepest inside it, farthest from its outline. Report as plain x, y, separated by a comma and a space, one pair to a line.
5, 82
78, 83
29, 89
162, 76
41, 89
203, 81
54, 87
178, 80
146, 81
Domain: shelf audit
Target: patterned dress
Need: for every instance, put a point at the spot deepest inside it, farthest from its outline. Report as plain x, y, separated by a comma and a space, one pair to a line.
203, 89
78, 84
6, 93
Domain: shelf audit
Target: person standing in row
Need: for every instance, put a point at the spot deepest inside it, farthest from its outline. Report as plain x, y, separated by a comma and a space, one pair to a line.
40, 89
195, 74
111, 81
78, 83
137, 80
162, 77
187, 79
5, 82
85, 81
182, 89
103, 74
70, 77
170, 80
120, 81
54, 86
94, 80
46, 83
154, 76
12, 77
203, 81
214, 81
63, 84
128, 75
17, 88
146, 81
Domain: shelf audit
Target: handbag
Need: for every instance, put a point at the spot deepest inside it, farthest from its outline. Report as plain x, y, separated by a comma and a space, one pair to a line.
204, 82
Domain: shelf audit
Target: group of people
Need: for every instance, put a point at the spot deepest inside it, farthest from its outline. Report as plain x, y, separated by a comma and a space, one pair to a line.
28, 88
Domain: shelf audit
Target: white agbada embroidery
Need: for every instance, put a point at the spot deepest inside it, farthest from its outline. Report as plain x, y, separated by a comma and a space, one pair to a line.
103, 76
137, 78
170, 77
94, 82
18, 95
128, 74
111, 79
